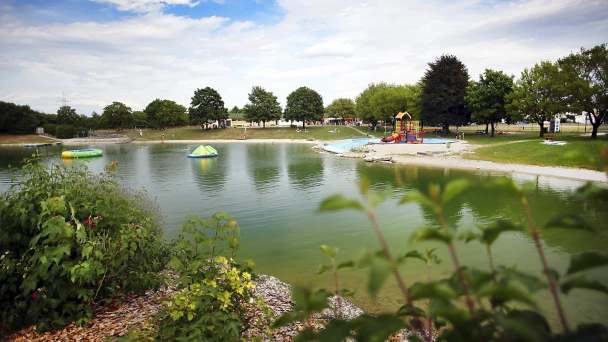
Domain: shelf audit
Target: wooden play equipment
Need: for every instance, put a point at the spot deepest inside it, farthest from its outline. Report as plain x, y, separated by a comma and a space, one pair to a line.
409, 132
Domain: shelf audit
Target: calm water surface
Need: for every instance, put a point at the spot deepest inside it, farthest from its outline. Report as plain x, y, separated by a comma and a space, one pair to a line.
273, 191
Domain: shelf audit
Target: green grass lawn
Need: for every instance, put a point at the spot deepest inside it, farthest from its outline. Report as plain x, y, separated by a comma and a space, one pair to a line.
579, 152
196, 133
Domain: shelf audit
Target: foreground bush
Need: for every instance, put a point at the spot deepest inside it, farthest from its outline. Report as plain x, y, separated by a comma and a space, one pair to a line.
217, 296
70, 239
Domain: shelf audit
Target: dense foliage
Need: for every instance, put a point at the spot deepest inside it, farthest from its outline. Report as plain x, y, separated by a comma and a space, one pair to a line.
586, 85
70, 239
163, 113
116, 114
341, 108
486, 99
537, 96
365, 108
304, 104
17, 119
217, 291
494, 304
445, 85
207, 106
263, 106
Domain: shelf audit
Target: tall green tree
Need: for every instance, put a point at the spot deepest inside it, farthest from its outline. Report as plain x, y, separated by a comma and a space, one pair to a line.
413, 93
16, 119
96, 121
263, 106
67, 115
141, 119
586, 89
341, 108
364, 107
207, 106
538, 95
445, 85
163, 113
388, 102
486, 99
117, 114
304, 104
234, 110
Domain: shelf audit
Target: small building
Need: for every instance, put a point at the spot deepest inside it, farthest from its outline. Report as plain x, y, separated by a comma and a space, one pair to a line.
40, 130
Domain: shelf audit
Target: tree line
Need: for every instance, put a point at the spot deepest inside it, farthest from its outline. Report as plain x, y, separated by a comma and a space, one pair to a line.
444, 96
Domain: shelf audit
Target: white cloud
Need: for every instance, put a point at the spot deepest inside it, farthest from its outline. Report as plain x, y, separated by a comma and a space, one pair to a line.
335, 47
145, 6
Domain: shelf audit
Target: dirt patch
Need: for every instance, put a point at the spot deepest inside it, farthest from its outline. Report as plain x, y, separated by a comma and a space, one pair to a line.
10, 139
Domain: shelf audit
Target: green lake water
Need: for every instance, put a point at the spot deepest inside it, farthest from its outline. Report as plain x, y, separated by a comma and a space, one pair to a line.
273, 191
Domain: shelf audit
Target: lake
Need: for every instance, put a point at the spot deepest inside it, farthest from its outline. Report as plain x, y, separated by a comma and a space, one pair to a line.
273, 190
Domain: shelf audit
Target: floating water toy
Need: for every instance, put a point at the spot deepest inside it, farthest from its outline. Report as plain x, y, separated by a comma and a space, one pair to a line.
203, 152
81, 153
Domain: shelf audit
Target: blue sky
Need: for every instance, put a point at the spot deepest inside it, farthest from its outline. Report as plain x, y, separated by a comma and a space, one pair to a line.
134, 51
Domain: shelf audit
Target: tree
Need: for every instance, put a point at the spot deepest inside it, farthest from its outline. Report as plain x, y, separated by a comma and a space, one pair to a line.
445, 84
235, 110
163, 113
537, 95
364, 107
117, 114
67, 115
207, 106
341, 108
388, 102
304, 104
263, 107
96, 121
486, 99
586, 89
412, 98
17, 119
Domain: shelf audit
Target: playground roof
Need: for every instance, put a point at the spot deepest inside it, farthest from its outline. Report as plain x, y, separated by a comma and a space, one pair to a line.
401, 114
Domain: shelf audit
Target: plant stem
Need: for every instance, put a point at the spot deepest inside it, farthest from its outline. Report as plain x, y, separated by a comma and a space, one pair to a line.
465, 286
428, 274
418, 323
491, 263
552, 286
339, 311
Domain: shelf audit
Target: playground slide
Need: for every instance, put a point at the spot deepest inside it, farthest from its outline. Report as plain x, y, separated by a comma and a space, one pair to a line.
390, 138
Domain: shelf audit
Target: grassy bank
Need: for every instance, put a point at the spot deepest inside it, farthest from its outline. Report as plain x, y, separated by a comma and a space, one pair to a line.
196, 133
25, 139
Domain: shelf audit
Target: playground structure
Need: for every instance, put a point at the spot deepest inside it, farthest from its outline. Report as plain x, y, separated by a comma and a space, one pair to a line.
408, 132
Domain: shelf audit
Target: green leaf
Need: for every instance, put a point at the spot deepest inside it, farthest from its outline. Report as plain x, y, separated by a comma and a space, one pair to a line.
364, 186
331, 252
453, 189
431, 290
339, 202
592, 191
468, 236
570, 221
190, 316
375, 198
346, 264
380, 269
587, 260
523, 325
376, 329
581, 281
430, 234
336, 330
512, 290
284, 320
415, 255
408, 310
490, 233
506, 184
347, 293
417, 197
323, 268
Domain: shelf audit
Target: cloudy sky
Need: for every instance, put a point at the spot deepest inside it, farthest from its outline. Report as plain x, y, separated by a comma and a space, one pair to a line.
134, 51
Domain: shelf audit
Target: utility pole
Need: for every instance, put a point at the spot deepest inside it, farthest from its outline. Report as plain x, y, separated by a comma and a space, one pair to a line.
63, 99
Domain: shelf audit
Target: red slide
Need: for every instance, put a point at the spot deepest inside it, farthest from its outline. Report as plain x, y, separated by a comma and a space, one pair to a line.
390, 138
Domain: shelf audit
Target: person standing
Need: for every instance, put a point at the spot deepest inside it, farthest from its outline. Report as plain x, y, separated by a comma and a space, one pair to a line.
456, 132
140, 133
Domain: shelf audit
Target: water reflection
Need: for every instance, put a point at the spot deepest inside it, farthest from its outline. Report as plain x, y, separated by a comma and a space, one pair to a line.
305, 173
208, 173
263, 166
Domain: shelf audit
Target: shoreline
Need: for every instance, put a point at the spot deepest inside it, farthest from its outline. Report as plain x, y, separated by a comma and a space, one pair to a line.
440, 156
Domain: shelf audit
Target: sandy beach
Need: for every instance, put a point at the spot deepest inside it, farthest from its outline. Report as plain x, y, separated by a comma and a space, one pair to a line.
438, 155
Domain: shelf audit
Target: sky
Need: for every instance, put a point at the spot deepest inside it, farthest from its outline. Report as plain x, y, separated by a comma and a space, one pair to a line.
94, 52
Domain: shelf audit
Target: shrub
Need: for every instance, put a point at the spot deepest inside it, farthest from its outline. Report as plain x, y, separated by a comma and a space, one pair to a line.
70, 239
64, 132
50, 128
81, 132
470, 304
217, 294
